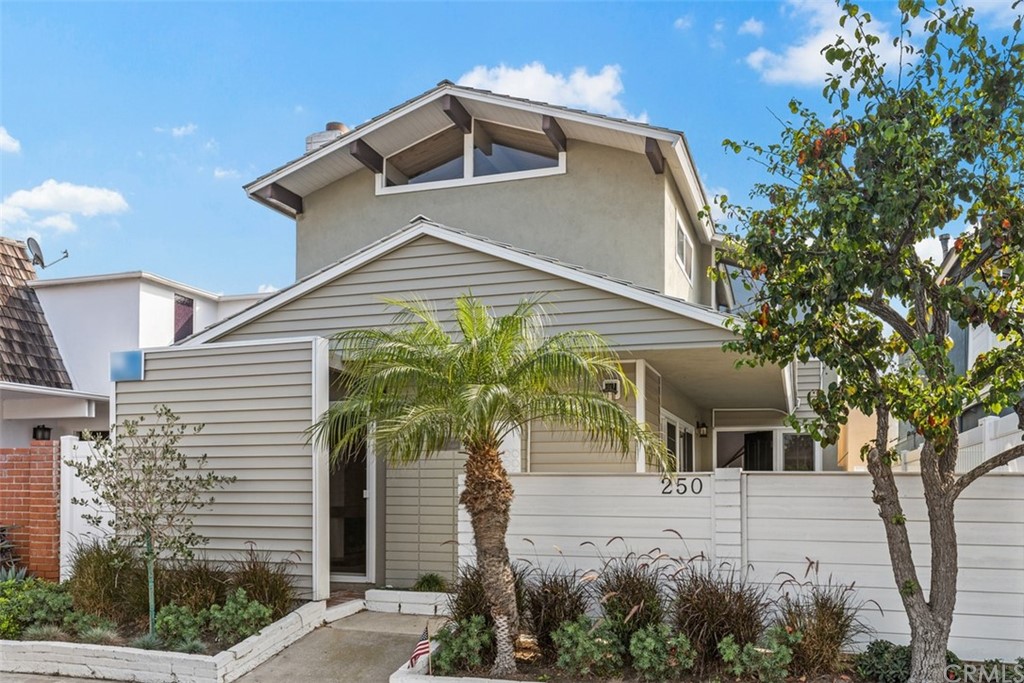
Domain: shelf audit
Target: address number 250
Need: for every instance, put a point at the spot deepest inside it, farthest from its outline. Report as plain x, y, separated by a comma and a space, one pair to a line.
682, 486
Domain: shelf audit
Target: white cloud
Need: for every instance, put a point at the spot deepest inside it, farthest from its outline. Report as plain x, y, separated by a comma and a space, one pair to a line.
10, 215
266, 289
57, 202
8, 143
719, 25
222, 173
177, 131
751, 27
714, 193
299, 109
801, 62
57, 197
684, 22
929, 248
61, 222
600, 92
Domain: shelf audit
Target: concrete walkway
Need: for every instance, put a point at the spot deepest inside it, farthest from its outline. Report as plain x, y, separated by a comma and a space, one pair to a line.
364, 648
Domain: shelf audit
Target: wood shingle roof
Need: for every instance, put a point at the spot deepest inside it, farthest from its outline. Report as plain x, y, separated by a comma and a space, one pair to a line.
28, 353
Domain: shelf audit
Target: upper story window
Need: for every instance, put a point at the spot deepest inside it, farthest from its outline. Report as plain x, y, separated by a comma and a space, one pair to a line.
184, 310
491, 152
685, 254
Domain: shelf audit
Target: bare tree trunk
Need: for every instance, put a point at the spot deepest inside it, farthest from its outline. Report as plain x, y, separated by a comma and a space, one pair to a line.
930, 619
488, 499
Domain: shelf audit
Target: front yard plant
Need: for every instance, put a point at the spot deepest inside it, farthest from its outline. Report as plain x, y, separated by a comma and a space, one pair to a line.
152, 487
588, 648
463, 646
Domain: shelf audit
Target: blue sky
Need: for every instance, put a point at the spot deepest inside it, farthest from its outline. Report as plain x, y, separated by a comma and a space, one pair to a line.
127, 130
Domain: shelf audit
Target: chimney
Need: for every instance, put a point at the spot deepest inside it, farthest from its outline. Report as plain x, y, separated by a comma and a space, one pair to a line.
331, 132
944, 241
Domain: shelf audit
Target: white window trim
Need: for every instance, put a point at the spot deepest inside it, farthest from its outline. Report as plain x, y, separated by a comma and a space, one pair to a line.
690, 250
777, 432
681, 424
466, 181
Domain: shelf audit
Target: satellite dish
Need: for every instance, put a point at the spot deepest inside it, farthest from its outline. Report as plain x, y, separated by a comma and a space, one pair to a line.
37, 253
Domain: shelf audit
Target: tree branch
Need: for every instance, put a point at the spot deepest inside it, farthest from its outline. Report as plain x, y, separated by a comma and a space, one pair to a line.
888, 315
984, 468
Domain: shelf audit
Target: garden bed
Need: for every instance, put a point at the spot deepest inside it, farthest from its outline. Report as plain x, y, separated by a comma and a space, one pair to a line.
153, 666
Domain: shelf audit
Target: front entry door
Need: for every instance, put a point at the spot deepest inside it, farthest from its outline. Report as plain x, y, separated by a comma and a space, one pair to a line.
757, 451
348, 518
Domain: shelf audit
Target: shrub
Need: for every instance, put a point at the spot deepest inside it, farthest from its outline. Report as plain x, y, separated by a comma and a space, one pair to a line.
432, 582
468, 599
713, 603
100, 635
149, 641
659, 655
827, 617
191, 647
885, 662
45, 632
177, 624
43, 602
551, 600
767, 663
264, 580
239, 618
194, 583
109, 581
463, 646
13, 573
631, 595
586, 649
77, 622
31, 603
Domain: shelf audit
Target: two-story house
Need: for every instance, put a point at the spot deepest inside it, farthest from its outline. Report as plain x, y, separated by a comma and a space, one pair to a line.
461, 190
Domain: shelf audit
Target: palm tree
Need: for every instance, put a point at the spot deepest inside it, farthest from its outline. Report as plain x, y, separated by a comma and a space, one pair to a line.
420, 386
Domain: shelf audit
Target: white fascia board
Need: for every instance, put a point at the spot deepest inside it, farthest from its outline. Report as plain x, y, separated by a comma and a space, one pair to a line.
132, 275
15, 387
693, 184
418, 230
426, 98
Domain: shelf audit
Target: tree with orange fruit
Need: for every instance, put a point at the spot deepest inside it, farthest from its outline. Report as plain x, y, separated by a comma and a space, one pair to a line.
931, 144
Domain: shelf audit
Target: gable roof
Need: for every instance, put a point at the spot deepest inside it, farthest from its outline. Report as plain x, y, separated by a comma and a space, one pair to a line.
423, 115
28, 353
421, 226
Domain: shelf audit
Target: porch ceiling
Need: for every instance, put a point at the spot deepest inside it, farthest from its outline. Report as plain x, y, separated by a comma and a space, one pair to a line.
709, 377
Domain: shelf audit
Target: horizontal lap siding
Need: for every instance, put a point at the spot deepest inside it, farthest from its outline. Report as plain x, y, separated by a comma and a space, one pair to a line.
831, 519
438, 271
808, 379
422, 501
557, 448
567, 520
256, 403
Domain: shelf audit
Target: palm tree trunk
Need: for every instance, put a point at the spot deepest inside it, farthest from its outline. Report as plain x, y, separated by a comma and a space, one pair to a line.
488, 499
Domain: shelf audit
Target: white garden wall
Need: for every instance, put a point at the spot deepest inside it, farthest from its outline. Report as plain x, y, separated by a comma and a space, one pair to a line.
74, 529
775, 522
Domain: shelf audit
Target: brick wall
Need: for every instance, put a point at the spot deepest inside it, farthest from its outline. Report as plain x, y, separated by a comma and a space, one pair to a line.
30, 500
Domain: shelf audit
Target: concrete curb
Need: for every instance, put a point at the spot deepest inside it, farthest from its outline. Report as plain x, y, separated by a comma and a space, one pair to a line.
154, 666
425, 603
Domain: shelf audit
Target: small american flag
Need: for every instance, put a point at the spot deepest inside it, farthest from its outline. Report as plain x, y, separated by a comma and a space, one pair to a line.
422, 648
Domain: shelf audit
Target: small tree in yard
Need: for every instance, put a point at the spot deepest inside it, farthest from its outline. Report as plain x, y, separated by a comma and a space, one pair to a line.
152, 488
932, 143
424, 386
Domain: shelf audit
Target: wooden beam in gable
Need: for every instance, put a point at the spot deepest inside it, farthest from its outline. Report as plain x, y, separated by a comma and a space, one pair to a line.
366, 155
554, 132
282, 196
654, 155
457, 113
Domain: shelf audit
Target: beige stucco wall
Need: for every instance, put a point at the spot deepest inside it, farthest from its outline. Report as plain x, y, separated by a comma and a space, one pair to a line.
607, 213
676, 282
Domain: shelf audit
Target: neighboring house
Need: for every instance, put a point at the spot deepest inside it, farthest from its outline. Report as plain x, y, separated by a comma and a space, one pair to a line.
598, 213
982, 434
93, 315
35, 385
